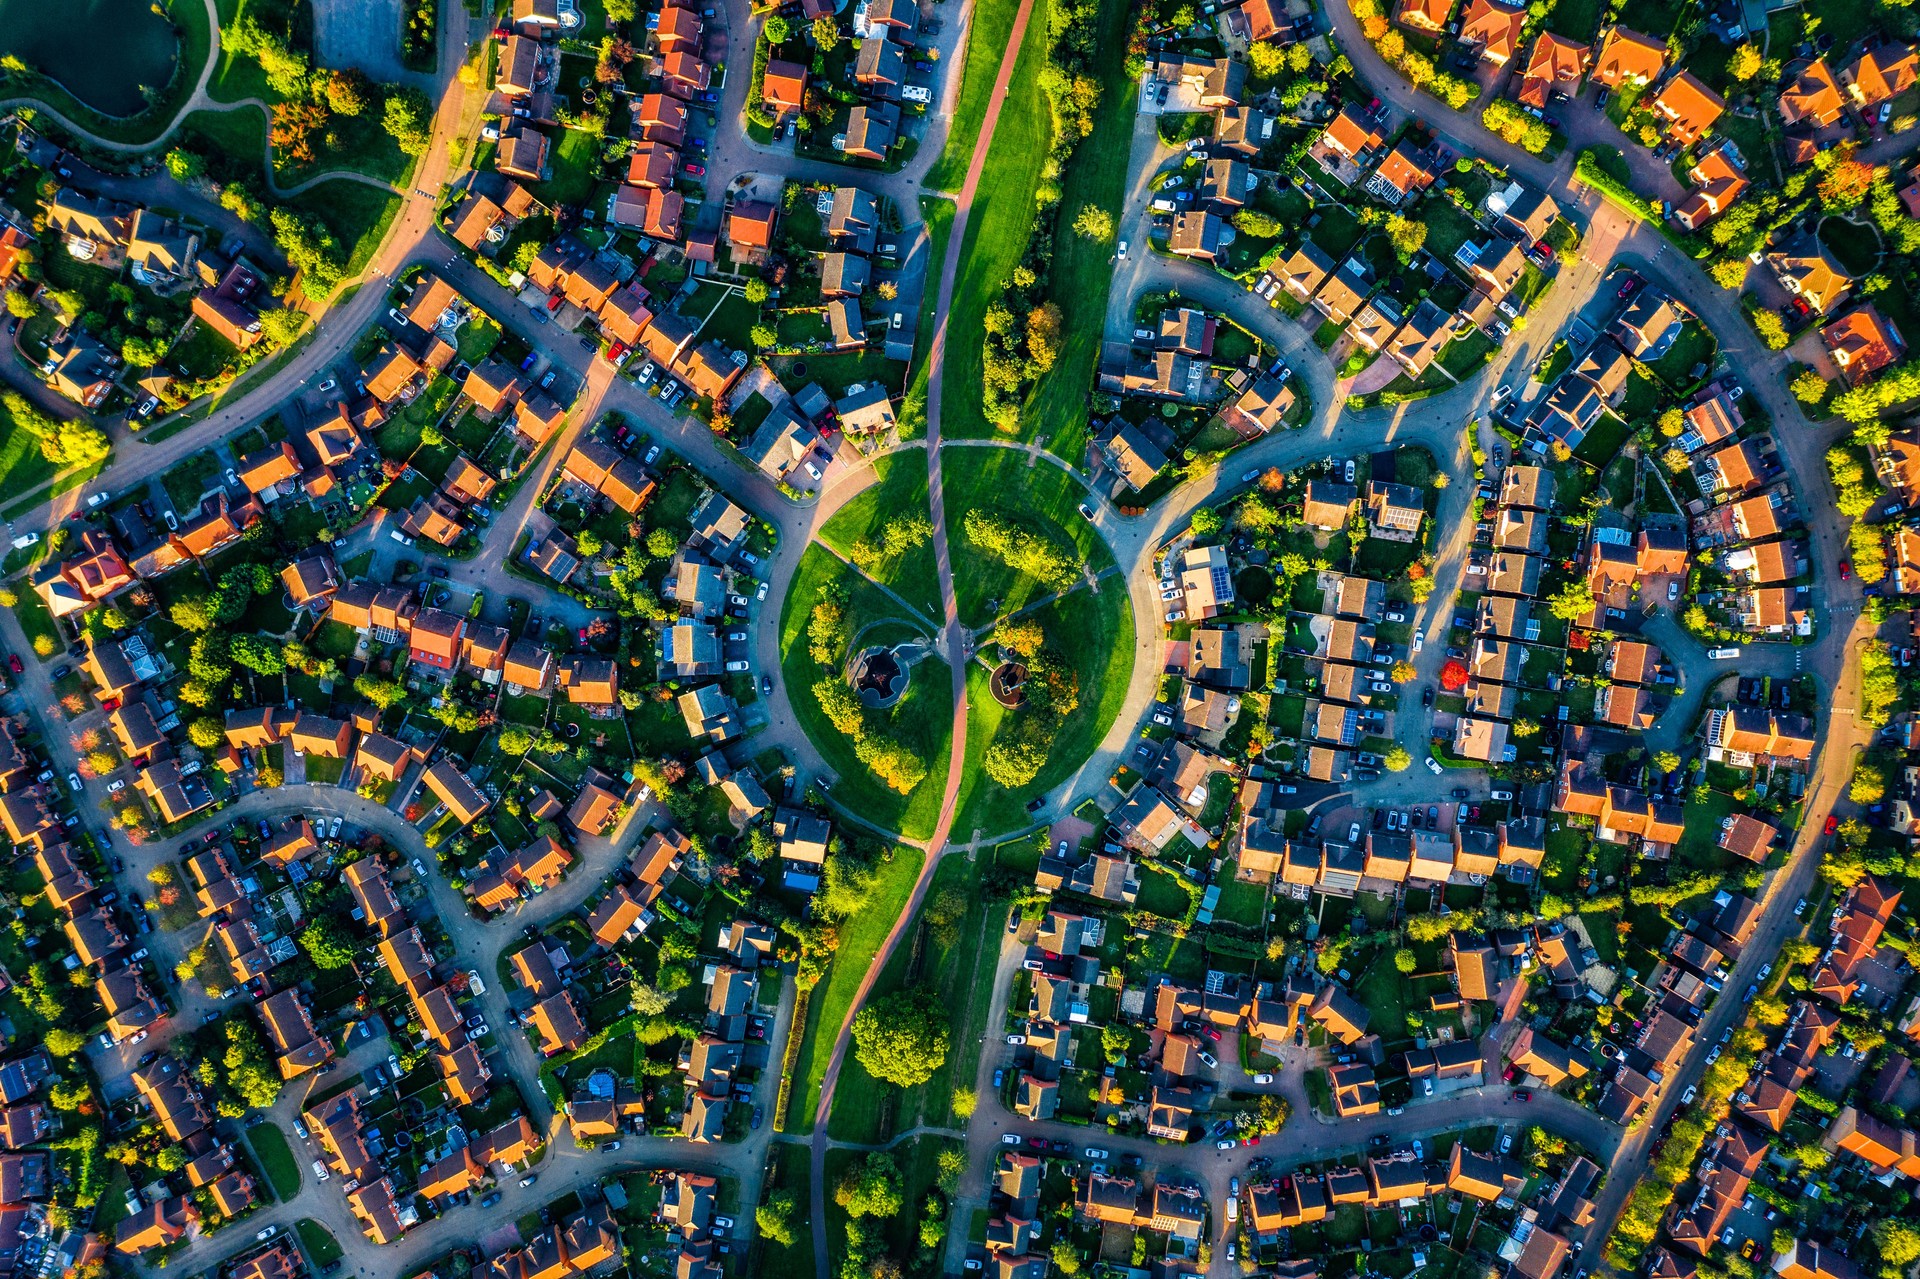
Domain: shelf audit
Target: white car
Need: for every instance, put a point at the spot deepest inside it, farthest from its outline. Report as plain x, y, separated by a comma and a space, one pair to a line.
400, 537
267, 1234
1176, 614
333, 827
320, 1170
1264, 1077
813, 470
115, 786
1686, 1098
1225, 1143
1122, 254
1233, 1210
1016, 1040
1211, 1061
1094, 1152
419, 867
1163, 719
1433, 766
1506, 1143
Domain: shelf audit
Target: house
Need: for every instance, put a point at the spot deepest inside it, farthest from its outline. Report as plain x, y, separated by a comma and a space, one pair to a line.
880, 67
1627, 57
1394, 511
1198, 234
1807, 269
1880, 73
1810, 97
1403, 174
1206, 581
750, 224
1494, 29
1862, 342
159, 250
80, 368
1342, 293
1688, 107
1718, 177
1554, 61
1419, 340
1353, 136
226, 307
872, 129
1645, 329
1135, 459
784, 87
524, 153
1424, 15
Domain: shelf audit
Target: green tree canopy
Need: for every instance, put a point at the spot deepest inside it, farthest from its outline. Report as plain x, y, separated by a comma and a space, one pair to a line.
902, 1038
871, 1187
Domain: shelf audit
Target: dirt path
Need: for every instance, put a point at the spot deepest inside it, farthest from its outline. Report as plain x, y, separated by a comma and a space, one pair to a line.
958, 640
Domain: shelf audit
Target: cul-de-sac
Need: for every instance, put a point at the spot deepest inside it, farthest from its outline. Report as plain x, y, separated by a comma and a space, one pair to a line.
1004, 639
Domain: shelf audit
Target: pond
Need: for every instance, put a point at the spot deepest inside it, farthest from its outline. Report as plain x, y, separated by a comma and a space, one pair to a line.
101, 51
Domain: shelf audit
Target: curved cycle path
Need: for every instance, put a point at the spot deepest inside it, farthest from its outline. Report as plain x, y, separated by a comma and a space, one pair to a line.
957, 638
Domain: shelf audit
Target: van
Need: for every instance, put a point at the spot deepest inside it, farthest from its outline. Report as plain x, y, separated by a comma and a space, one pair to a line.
320, 1170
1723, 654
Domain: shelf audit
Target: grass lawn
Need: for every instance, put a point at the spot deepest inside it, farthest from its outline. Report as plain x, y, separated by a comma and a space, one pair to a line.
576, 167
276, 1159
1600, 444
322, 1248
23, 467
1693, 345
1083, 268
870, 1111
31, 612
900, 488
827, 1009
997, 229
922, 720
1160, 892
1700, 838
1041, 496
187, 481
357, 214
1575, 19
790, 1170
986, 44
1096, 634
1241, 903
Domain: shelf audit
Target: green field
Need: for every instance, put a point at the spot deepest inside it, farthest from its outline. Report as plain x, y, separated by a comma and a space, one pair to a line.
1001, 218
860, 940
23, 467
789, 1170
1043, 496
276, 1159
986, 44
961, 972
1096, 632
899, 487
322, 1248
922, 720
1056, 412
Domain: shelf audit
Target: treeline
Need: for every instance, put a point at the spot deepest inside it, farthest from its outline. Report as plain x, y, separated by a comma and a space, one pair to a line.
1023, 328
1023, 549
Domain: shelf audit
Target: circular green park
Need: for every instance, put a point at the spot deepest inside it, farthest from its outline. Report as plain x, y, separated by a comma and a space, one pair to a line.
1028, 573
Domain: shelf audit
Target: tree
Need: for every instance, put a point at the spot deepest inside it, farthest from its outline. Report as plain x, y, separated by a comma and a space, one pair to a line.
1266, 59
1808, 387
69, 443
1666, 761
763, 336
873, 1187
348, 92
1406, 961
184, 165
1093, 223
1898, 1242
774, 1217
409, 118
1066, 1258
309, 247
281, 325
1397, 759
206, 733
1206, 522
1572, 602
826, 33
1402, 671
965, 1100
756, 291
621, 11
777, 29
1407, 236
1869, 785
20, 306
649, 1001
902, 1038
62, 1042
261, 656
381, 692
1846, 185
327, 943
1744, 64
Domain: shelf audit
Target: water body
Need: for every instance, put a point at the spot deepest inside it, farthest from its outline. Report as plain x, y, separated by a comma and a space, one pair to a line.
102, 51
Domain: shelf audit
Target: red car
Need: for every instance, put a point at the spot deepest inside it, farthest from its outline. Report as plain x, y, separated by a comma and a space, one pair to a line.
694, 170
13, 663
1846, 570
1833, 823
1523, 1095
